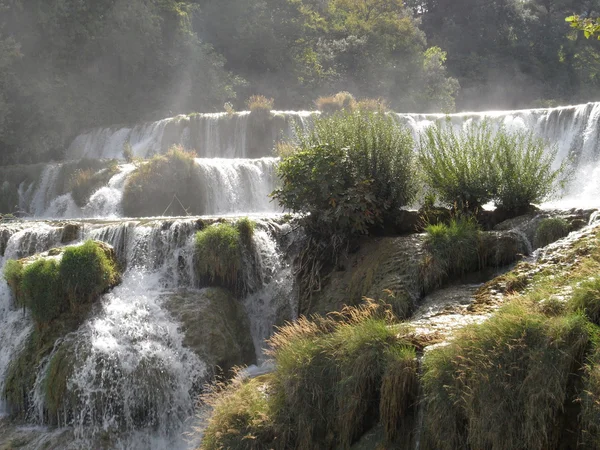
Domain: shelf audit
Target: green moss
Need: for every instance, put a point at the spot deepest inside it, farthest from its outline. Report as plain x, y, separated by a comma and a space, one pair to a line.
503, 384
86, 271
13, 274
59, 371
550, 230
246, 229
218, 256
42, 290
165, 184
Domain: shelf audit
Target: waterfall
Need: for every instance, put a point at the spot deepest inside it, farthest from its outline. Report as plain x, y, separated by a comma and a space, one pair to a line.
575, 130
133, 378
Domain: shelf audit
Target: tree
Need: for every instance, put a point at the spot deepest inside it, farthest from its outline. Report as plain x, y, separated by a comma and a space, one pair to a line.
590, 27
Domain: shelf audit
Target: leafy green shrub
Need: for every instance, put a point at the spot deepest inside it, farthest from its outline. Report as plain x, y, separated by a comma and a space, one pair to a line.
453, 249
42, 290
471, 167
458, 166
260, 104
352, 171
164, 184
87, 271
504, 383
338, 102
550, 230
586, 298
13, 274
218, 255
525, 174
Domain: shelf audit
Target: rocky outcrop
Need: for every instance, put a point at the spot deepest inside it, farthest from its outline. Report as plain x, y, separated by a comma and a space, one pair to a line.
215, 326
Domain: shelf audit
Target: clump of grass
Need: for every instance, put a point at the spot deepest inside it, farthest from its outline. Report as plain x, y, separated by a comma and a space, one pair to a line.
453, 249
241, 419
590, 403
229, 109
550, 230
334, 377
504, 383
165, 184
333, 368
41, 288
218, 255
87, 271
259, 104
586, 298
338, 102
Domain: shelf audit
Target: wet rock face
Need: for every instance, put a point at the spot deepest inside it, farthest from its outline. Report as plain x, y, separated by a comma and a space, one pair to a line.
215, 326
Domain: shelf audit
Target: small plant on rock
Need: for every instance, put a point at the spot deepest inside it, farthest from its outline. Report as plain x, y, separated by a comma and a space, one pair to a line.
260, 104
550, 230
218, 255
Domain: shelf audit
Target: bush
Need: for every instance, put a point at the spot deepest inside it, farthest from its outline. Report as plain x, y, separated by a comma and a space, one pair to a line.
86, 272
128, 152
586, 298
372, 104
453, 249
471, 167
337, 102
502, 384
260, 104
458, 166
550, 230
42, 290
353, 171
218, 256
524, 171
164, 184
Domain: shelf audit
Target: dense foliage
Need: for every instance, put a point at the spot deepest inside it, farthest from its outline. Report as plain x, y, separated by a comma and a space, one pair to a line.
67, 65
350, 173
467, 168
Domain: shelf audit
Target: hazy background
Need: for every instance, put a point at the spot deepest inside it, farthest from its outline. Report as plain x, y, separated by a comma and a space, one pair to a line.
67, 65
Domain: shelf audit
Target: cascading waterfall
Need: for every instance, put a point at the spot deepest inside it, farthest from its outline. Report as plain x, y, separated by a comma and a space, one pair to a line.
575, 130
133, 379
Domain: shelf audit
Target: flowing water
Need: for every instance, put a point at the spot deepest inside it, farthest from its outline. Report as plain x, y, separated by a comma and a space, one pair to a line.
135, 382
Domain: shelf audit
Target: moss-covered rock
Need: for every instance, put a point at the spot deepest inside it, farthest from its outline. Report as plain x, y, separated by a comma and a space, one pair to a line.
215, 326
165, 184
550, 230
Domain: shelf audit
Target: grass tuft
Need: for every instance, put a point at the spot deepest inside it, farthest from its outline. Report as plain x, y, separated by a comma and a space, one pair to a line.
338, 102
218, 255
42, 290
550, 230
260, 104
503, 384
586, 298
165, 184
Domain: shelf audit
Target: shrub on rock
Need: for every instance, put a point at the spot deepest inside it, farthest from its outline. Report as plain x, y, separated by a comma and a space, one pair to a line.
218, 256
165, 184
352, 172
550, 230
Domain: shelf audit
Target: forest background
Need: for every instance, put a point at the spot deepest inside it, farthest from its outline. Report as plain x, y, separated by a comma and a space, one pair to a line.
68, 65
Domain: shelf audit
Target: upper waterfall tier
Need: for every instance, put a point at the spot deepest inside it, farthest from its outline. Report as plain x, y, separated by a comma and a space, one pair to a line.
221, 135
